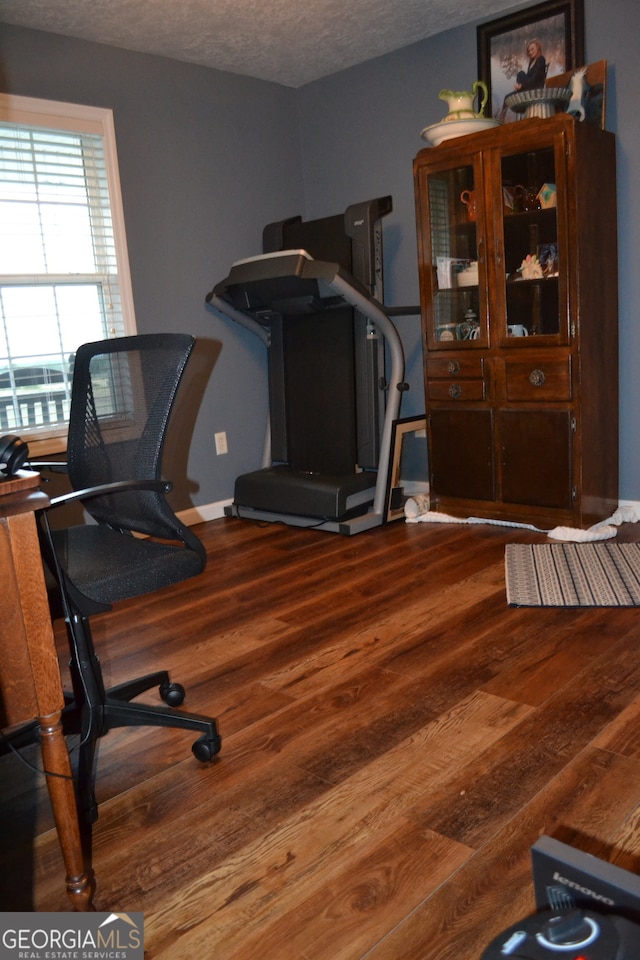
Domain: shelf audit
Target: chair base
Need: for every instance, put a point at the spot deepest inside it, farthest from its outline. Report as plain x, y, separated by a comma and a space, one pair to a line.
93, 721
116, 711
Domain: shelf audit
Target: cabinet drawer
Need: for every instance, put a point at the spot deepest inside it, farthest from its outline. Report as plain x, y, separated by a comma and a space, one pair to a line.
538, 380
456, 389
461, 366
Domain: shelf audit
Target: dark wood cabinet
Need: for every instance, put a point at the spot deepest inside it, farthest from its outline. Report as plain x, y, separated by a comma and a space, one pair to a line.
518, 286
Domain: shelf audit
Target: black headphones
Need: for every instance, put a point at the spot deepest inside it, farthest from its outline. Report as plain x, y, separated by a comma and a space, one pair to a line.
13, 455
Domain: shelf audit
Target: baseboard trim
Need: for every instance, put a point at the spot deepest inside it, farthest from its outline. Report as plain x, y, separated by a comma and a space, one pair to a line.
204, 512
214, 511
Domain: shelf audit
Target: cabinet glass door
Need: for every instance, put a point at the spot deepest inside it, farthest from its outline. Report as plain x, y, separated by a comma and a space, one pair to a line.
455, 209
533, 254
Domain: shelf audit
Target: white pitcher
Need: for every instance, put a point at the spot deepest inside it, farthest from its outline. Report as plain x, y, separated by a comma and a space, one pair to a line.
460, 102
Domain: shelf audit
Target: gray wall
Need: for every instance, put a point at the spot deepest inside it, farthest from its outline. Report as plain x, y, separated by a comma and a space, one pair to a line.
208, 158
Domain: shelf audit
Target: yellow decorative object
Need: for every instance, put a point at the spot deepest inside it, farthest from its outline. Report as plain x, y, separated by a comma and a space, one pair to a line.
531, 268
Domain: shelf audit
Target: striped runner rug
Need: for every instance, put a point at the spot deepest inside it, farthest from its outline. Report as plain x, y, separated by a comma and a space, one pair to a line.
573, 574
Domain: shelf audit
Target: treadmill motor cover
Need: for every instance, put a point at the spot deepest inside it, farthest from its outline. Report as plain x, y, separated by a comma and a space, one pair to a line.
306, 494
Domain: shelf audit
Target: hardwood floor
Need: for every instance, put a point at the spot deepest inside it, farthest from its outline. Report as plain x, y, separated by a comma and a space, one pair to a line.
395, 738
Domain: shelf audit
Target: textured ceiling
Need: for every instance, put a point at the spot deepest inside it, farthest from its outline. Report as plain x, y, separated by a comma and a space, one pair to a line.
279, 40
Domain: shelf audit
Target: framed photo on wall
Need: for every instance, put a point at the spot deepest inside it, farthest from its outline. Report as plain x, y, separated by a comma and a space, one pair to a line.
524, 49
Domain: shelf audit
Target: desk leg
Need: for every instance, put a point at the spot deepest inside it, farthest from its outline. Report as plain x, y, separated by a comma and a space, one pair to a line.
80, 880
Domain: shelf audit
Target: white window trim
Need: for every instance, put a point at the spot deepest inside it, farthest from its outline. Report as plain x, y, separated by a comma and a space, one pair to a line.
86, 119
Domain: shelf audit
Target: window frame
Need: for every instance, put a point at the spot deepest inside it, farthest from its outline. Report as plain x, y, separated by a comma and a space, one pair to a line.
78, 118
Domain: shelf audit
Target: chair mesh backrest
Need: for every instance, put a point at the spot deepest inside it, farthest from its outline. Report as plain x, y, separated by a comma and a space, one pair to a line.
122, 396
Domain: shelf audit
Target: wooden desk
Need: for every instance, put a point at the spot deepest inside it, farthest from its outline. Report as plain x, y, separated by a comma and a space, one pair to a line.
30, 681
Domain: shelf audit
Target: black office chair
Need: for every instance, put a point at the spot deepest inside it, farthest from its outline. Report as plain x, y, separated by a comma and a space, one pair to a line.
122, 395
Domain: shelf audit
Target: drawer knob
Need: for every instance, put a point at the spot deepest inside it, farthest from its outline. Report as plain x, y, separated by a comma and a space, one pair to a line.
536, 378
453, 367
455, 391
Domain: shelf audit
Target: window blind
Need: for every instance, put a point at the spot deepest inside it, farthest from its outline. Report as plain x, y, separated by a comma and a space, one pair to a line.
60, 275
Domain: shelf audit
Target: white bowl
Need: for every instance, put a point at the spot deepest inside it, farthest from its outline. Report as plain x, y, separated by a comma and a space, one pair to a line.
437, 133
541, 103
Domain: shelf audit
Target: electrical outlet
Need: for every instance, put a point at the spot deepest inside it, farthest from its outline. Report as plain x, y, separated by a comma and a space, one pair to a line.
221, 443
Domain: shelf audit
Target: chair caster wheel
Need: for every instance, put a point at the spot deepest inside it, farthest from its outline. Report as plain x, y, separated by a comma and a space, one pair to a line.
206, 748
173, 694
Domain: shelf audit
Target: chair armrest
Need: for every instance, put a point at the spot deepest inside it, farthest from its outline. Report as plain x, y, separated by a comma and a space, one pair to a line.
55, 466
102, 489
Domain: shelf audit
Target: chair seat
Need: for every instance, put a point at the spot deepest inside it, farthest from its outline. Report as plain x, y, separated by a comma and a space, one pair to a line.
107, 566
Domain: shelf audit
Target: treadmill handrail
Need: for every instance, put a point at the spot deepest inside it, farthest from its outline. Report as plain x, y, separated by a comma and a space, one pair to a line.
373, 311
244, 319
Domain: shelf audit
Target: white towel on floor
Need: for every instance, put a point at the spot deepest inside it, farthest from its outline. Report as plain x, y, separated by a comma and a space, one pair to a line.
416, 511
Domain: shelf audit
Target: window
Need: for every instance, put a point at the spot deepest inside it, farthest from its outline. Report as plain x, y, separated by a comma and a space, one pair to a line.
64, 275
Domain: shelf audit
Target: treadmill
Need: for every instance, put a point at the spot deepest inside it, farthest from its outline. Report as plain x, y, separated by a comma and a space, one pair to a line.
314, 297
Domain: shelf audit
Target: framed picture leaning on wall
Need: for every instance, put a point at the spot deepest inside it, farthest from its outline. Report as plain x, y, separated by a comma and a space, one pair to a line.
524, 49
408, 468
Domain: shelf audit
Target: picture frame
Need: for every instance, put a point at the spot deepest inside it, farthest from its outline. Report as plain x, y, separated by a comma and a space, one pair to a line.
557, 25
404, 461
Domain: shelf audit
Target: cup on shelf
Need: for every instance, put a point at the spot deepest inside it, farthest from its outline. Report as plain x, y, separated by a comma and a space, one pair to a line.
468, 197
517, 330
468, 328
